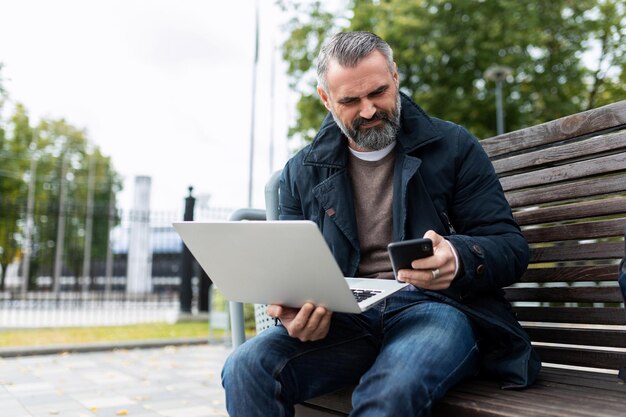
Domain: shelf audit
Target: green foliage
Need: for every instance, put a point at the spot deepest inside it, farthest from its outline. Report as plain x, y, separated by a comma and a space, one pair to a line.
12, 185
443, 48
57, 148
309, 28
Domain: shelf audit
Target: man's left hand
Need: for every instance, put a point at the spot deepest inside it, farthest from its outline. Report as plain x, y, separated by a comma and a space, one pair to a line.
435, 272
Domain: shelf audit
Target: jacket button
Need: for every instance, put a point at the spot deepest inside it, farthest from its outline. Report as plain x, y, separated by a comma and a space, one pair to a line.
480, 269
477, 250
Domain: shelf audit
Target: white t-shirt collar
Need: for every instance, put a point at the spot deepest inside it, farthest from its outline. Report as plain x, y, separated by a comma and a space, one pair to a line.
374, 155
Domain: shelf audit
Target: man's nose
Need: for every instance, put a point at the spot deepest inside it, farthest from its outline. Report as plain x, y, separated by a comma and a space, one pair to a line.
367, 109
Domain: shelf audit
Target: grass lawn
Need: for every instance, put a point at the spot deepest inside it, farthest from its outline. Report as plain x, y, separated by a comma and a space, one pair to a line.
77, 335
83, 335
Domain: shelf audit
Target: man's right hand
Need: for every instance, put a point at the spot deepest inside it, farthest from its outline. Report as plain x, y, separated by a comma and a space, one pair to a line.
307, 324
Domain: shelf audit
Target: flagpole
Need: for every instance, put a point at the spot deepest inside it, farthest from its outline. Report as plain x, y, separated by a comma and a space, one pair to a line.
252, 113
272, 101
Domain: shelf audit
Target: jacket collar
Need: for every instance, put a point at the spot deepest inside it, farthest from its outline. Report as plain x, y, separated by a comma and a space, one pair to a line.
330, 149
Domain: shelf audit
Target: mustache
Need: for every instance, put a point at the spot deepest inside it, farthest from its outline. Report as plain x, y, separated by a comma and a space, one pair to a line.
379, 115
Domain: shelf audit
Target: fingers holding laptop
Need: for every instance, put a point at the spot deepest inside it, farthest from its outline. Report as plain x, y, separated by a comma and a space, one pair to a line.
307, 324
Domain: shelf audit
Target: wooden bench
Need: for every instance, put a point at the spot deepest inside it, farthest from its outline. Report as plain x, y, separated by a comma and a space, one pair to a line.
566, 183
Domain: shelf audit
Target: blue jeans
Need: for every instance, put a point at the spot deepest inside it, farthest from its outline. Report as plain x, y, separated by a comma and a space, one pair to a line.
404, 353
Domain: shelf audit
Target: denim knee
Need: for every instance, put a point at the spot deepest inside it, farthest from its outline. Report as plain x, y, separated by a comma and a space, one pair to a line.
240, 367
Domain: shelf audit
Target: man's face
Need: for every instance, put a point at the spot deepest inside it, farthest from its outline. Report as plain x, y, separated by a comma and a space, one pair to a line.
364, 101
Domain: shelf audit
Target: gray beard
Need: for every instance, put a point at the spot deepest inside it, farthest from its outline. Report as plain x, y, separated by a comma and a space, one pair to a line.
377, 137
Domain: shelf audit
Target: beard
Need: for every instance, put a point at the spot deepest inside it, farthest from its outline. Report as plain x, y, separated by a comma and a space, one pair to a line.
376, 137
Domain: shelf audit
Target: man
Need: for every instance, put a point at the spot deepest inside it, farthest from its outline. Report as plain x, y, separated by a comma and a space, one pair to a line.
380, 170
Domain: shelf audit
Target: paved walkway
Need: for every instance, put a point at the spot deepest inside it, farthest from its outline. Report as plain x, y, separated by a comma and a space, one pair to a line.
170, 381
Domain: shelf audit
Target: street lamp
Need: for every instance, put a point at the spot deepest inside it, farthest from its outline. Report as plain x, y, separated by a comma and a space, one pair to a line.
498, 73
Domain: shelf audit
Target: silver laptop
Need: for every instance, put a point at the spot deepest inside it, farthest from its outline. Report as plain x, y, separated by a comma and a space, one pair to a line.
278, 262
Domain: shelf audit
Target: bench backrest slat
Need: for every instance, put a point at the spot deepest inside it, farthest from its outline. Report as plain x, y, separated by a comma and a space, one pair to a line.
566, 183
542, 157
613, 316
571, 274
604, 207
583, 188
575, 126
565, 294
593, 358
575, 170
596, 229
591, 251
588, 337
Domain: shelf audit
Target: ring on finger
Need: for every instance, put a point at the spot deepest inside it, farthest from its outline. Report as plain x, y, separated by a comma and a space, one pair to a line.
435, 273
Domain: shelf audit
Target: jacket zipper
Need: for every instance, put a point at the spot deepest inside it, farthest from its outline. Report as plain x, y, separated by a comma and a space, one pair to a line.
448, 223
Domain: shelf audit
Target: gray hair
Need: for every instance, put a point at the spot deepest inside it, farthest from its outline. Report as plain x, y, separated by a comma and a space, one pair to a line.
348, 48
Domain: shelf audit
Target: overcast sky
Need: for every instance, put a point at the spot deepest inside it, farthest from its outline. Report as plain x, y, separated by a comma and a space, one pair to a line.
163, 87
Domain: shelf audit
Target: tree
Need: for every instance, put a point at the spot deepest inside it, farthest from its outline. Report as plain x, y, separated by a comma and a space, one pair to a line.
443, 48
65, 157
11, 186
608, 80
62, 154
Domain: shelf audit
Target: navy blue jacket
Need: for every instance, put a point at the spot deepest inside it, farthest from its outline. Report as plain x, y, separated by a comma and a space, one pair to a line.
443, 181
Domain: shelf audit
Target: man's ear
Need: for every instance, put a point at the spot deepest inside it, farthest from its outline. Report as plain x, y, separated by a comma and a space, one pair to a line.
324, 96
395, 74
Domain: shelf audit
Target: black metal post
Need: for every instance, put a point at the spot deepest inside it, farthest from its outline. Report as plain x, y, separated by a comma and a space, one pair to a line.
187, 260
204, 302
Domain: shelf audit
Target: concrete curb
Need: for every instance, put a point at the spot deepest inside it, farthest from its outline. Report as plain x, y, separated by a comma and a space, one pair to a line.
99, 347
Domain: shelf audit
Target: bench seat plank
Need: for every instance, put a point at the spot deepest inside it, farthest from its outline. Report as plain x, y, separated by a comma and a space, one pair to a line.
494, 405
581, 379
557, 393
548, 397
535, 401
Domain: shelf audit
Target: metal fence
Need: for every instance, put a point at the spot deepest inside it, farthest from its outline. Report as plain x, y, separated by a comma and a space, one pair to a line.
94, 267
41, 309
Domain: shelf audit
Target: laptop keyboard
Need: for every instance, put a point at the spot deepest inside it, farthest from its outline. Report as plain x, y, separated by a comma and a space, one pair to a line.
361, 295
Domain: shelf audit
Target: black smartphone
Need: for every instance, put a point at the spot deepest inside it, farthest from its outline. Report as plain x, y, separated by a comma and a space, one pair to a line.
404, 252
